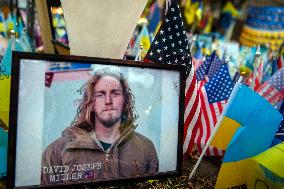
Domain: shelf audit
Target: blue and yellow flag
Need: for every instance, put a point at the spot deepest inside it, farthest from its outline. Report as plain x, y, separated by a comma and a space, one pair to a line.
267, 169
273, 159
256, 122
193, 11
154, 18
144, 39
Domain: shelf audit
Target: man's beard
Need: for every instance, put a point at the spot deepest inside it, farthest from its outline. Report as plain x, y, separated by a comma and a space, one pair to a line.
110, 122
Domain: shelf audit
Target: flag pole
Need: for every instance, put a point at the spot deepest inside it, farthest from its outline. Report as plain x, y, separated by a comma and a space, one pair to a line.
13, 39
193, 40
139, 53
218, 124
255, 67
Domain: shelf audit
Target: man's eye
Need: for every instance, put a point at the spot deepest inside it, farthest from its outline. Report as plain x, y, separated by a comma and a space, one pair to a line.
99, 95
117, 93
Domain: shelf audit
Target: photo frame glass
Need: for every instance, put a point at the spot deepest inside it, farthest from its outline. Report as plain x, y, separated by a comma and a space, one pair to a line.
123, 137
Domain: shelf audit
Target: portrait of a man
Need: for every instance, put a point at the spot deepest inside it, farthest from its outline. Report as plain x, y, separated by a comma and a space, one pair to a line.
101, 142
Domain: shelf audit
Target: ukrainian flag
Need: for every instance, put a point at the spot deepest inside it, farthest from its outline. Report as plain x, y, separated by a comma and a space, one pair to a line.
144, 39
268, 169
272, 159
254, 122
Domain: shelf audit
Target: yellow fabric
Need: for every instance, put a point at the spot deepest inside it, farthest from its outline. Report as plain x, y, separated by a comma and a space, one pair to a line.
251, 37
157, 28
190, 11
273, 159
55, 22
5, 99
208, 26
2, 27
229, 7
198, 13
146, 42
263, 33
10, 26
256, 178
233, 174
225, 133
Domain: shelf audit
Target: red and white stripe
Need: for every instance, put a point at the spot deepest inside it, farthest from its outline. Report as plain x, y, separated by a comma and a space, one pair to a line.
209, 116
271, 94
200, 117
192, 112
258, 77
280, 62
197, 62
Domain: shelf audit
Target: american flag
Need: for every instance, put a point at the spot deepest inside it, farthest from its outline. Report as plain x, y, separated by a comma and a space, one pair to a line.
170, 46
202, 69
280, 62
197, 62
90, 174
259, 75
215, 65
273, 89
213, 95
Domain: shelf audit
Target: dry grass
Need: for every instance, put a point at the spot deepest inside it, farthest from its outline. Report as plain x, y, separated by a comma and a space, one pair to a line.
205, 177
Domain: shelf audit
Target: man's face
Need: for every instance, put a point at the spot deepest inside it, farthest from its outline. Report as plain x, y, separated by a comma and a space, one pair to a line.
108, 101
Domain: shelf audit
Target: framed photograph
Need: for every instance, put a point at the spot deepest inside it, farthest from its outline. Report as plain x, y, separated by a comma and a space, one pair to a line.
97, 121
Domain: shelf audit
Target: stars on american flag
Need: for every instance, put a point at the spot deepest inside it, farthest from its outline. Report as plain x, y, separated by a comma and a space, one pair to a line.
215, 65
202, 69
220, 86
170, 45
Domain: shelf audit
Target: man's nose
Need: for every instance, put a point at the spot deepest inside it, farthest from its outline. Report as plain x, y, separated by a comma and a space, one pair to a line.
108, 99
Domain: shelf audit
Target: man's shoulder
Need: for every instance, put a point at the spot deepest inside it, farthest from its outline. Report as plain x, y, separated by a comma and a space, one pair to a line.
67, 135
140, 138
56, 145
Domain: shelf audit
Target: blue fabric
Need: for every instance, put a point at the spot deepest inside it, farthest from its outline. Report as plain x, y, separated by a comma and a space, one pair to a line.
202, 69
3, 152
266, 17
7, 58
226, 20
215, 65
259, 121
220, 86
155, 19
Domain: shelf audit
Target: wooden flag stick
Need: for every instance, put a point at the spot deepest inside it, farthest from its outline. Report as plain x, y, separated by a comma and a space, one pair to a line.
218, 124
255, 67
